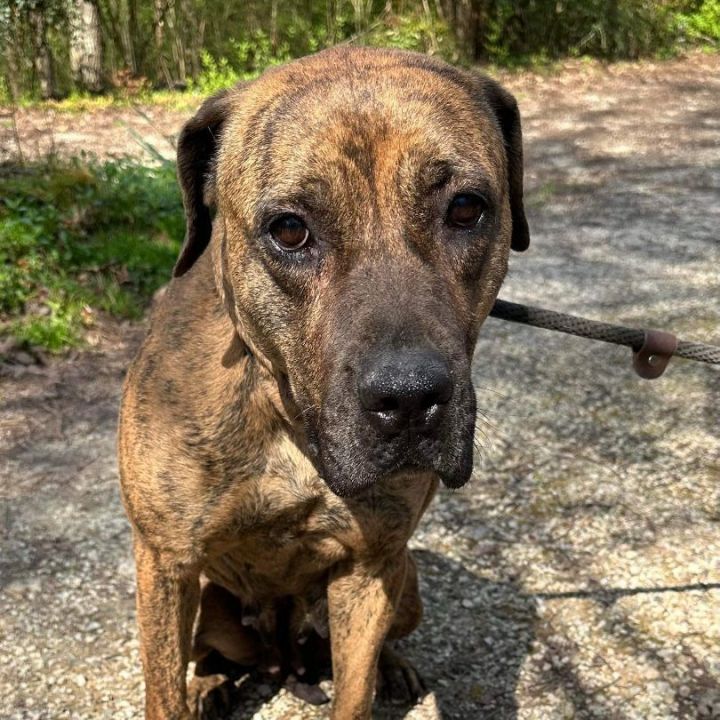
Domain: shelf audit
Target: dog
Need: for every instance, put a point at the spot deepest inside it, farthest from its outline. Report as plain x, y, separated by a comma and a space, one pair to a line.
306, 381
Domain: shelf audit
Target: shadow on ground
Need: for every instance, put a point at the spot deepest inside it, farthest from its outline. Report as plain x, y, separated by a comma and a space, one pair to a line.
473, 640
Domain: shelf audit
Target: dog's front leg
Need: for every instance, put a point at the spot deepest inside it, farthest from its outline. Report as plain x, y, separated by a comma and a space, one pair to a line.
362, 600
167, 600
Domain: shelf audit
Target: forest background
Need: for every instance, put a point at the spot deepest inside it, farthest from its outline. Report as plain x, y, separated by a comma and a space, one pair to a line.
61, 48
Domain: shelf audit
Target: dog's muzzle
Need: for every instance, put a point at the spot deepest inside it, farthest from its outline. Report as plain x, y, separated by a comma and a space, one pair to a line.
400, 409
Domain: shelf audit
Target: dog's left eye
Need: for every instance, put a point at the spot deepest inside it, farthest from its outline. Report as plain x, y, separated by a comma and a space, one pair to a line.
290, 232
466, 210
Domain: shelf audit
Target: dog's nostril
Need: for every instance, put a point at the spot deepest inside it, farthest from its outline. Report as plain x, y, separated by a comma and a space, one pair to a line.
377, 402
387, 404
440, 393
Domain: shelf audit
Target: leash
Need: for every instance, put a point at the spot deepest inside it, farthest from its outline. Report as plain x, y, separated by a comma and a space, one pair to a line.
652, 349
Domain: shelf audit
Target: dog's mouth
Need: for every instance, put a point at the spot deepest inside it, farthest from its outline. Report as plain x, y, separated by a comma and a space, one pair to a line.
351, 481
350, 458
352, 447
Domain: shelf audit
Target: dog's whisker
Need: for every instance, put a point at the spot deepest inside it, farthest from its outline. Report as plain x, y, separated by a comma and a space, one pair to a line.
483, 419
493, 391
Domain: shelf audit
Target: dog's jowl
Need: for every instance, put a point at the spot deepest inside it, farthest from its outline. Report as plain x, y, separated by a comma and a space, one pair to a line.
305, 384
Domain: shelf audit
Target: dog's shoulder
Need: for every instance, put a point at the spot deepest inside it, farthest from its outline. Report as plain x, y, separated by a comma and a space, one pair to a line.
192, 380
196, 417
185, 322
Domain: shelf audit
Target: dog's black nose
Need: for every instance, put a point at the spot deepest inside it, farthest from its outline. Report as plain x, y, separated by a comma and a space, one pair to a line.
404, 388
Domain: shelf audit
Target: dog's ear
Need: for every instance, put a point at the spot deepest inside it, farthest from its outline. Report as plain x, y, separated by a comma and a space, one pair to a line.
505, 107
196, 154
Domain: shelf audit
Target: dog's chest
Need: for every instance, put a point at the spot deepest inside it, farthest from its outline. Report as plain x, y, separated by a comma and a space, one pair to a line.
261, 574
284, 531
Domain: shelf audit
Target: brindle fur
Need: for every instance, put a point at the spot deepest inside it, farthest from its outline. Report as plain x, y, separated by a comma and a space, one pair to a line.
252, 486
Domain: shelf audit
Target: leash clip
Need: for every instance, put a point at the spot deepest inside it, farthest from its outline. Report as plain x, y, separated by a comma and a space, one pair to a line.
652, 358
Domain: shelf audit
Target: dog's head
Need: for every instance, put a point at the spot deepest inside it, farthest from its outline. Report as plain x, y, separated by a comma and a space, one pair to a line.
366, 202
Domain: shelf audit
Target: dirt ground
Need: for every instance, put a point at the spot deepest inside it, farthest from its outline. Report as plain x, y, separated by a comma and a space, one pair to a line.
578, 574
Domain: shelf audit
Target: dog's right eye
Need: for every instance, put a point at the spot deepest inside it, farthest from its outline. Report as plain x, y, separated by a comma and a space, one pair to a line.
290, 232
466, 210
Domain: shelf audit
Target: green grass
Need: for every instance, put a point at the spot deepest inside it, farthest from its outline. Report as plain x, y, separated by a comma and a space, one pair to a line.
81, 237
187, 100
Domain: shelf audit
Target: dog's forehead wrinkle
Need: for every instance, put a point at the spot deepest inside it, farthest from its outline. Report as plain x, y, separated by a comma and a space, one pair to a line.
404, 164
366, 139
289, 195
357, 103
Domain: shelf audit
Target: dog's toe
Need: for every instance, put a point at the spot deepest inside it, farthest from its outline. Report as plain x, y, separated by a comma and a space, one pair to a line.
398, 680
212, 697
310, 693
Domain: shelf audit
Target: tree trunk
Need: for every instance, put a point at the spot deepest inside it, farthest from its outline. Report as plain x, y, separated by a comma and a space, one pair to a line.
43, 61
115, 55
613, 29
12, 61
361, 13
86, 47
469, 18
136, 47
274, 26
160, 9
434, 47
331, 22
177, 47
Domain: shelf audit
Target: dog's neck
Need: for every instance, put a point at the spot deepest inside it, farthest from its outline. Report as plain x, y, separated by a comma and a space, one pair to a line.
270, 376
218, 255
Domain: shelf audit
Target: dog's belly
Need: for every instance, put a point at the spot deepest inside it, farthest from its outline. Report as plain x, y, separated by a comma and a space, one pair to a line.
260, 575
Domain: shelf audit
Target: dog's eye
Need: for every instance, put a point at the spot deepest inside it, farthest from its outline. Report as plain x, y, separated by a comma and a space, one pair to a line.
290, 232
466, 210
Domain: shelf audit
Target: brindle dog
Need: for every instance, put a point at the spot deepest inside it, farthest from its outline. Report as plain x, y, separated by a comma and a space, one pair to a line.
306, 380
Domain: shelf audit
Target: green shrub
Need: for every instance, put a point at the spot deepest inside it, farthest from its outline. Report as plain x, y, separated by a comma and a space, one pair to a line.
611, 29
80, 237
415, 31
215, 75
702, 25
256, 53
249, 58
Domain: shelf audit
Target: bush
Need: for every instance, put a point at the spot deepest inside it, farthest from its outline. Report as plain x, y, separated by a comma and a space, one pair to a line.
418, 32
211, 45
703, 24
609, 29
215, 75
249, 58
81, 237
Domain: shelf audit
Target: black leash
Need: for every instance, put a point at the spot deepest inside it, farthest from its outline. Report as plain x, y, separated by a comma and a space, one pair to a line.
652, 349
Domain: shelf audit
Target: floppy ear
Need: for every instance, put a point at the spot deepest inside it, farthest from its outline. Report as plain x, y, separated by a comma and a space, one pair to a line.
197, 150
506, 111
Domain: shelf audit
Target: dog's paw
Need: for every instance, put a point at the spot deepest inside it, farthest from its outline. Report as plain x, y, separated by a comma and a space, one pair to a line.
212, 697
309, 692
398, 681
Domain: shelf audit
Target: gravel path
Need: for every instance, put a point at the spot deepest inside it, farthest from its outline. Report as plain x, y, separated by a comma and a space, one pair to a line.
578, 575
